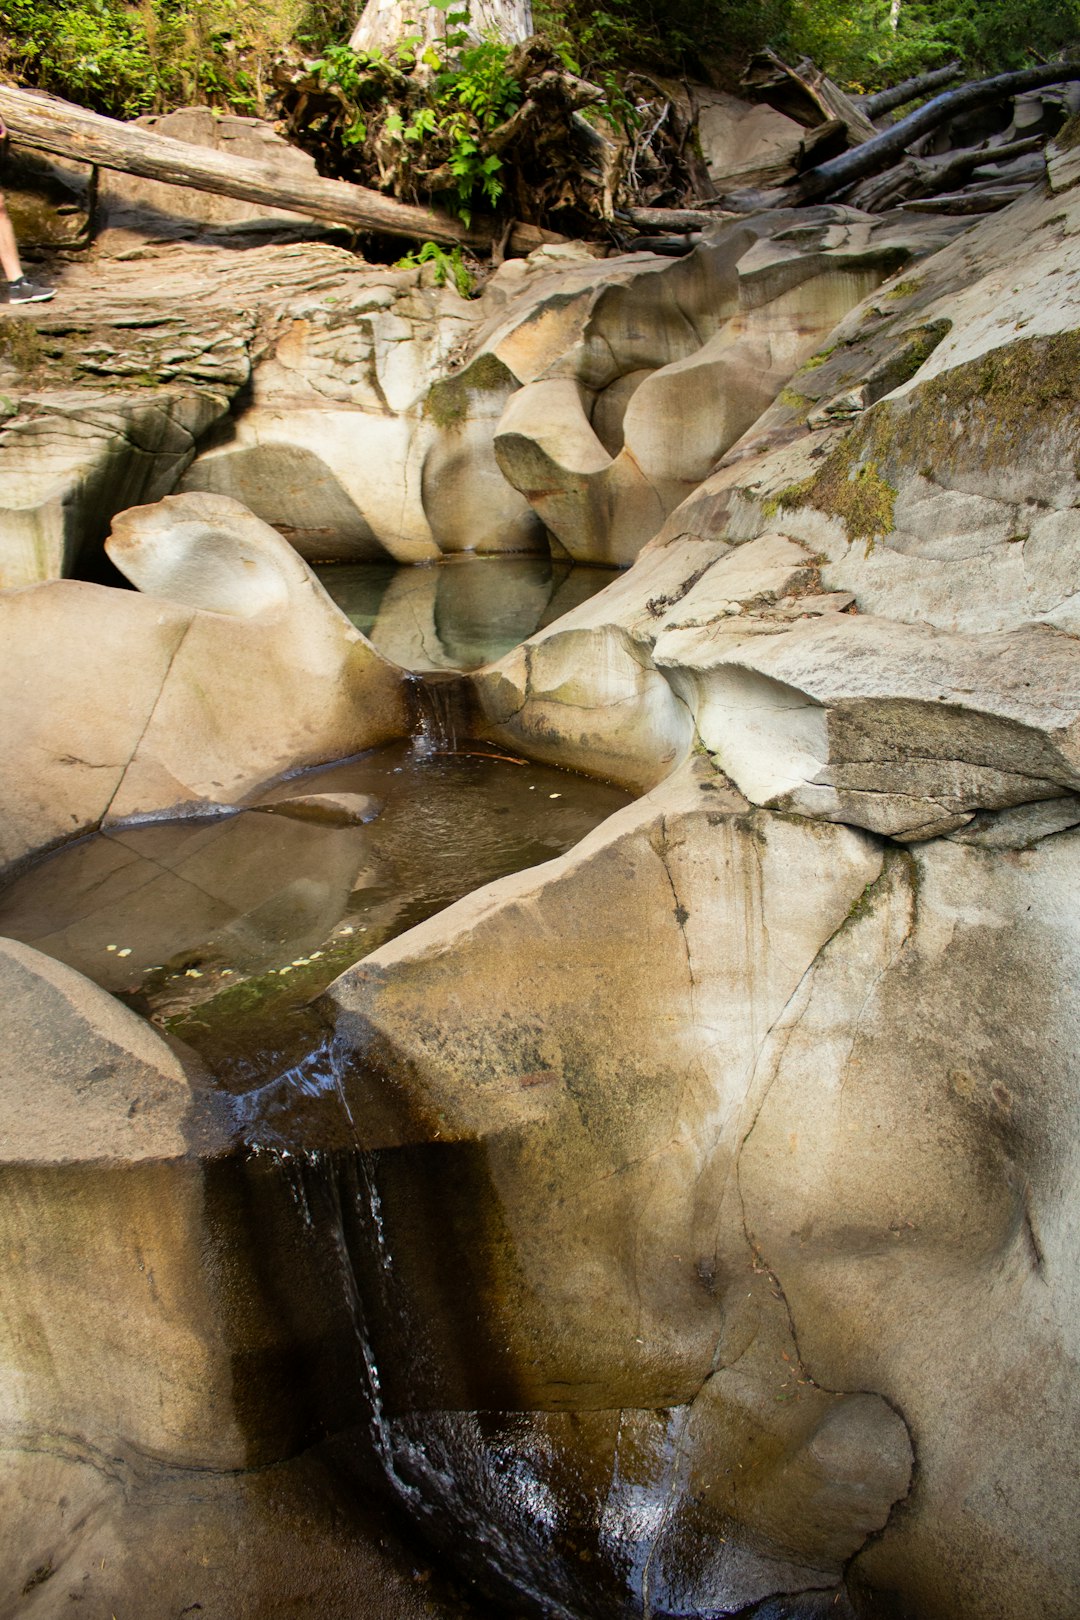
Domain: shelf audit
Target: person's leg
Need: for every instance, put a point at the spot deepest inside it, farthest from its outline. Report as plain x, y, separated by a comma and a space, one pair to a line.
9, 252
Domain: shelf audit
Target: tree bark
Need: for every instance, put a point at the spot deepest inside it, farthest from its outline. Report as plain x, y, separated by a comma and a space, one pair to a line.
384, 23
877, 154
51, 125
805, 94
884, 101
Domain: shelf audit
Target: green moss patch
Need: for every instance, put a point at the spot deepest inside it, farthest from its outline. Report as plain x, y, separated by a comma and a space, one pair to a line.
448, 401
21, 347
988, 412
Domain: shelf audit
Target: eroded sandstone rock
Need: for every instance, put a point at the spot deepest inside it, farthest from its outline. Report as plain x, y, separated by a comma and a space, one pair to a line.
637, 381
239, 670
692, 1221
571, 1080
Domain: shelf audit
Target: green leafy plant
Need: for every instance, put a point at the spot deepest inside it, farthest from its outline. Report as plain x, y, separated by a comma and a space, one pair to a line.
440, 124
449, 267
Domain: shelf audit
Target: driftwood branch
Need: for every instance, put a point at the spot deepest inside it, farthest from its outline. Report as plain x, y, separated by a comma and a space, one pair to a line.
50, 125
675, 219
877, 154
805, 94
985, 201
885, 101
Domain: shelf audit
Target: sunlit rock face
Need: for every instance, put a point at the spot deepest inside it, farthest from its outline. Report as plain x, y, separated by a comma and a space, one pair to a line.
366, 412
746, 1131
634, 384
784, 1128
686, 1225
572, 1082
233, 668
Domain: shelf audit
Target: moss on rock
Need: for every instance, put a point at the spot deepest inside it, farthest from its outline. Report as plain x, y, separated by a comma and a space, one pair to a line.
982, 414
447, 403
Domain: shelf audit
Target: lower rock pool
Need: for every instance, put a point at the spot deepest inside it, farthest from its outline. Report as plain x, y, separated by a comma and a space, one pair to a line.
221, 930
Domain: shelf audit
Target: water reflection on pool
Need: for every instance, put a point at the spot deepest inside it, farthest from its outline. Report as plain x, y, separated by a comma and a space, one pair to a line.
459, 613
222, 930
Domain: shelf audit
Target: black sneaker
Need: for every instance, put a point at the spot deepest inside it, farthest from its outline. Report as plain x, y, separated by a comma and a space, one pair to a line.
25, 291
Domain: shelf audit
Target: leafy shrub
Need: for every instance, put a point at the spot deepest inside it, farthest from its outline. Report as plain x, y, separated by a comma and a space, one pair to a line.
123, 59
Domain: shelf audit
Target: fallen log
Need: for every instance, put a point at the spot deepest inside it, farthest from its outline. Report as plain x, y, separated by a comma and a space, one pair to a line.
885, 101
877, 154
966, 202
675, 219
924, 177
50, 125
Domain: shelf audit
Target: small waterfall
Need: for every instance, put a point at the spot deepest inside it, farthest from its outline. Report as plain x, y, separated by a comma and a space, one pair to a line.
441, 712
334, 1191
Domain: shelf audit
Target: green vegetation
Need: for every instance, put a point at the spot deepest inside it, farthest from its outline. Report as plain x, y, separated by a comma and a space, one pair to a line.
435, 127
450, 268
849, 486
855, 42
123, 59
447, 403
470, 124
130, 56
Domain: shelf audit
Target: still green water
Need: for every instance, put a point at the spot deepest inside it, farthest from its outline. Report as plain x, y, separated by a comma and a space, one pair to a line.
222, 930
459, 613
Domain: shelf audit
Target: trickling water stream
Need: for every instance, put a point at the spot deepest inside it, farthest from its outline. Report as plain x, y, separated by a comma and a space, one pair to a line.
224, 930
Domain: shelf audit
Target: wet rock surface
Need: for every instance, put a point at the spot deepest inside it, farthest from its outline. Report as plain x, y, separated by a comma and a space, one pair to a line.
153, 1452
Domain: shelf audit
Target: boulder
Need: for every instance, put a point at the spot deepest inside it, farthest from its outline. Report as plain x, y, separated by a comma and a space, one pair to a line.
325, 809
576, 1171
108, 1319
133, 211
107, 394
48, 200
237, 669
786, 1127
897, 728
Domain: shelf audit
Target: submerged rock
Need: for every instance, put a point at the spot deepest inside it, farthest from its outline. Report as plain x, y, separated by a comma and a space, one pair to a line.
330, 809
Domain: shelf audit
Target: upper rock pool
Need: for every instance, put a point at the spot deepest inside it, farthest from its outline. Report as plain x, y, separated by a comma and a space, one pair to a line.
459, 613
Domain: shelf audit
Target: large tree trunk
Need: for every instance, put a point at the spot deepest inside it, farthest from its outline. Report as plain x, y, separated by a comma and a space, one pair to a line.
51, 125
384, 23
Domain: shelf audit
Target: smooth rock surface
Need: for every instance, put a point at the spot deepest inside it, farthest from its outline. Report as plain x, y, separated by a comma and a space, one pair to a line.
240, 670
152, 1431
602, 1139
